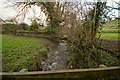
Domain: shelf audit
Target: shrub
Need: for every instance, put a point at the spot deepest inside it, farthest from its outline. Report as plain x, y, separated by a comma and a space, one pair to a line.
10, 28
34, 26
23, 26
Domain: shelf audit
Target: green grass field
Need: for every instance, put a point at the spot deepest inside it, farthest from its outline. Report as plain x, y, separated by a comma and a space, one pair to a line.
110, 30
110, 36
20, 52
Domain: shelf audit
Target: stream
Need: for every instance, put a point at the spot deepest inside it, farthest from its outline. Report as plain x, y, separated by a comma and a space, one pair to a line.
57, 58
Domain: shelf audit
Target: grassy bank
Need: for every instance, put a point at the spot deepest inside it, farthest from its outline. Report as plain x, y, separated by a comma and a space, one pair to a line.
21, 53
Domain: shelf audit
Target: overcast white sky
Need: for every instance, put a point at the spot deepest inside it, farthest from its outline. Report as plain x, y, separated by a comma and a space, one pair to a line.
7, 13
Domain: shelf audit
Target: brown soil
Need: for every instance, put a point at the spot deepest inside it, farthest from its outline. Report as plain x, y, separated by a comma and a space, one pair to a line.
110, 44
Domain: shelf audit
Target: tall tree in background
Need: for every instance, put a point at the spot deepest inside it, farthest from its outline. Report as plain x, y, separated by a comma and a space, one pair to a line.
96, 16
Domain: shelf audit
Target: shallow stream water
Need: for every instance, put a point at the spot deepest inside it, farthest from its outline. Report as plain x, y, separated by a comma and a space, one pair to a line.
57, 58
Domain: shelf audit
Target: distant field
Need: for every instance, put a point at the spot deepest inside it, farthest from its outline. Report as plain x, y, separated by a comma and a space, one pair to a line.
111, 36
20, 52
110, 30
